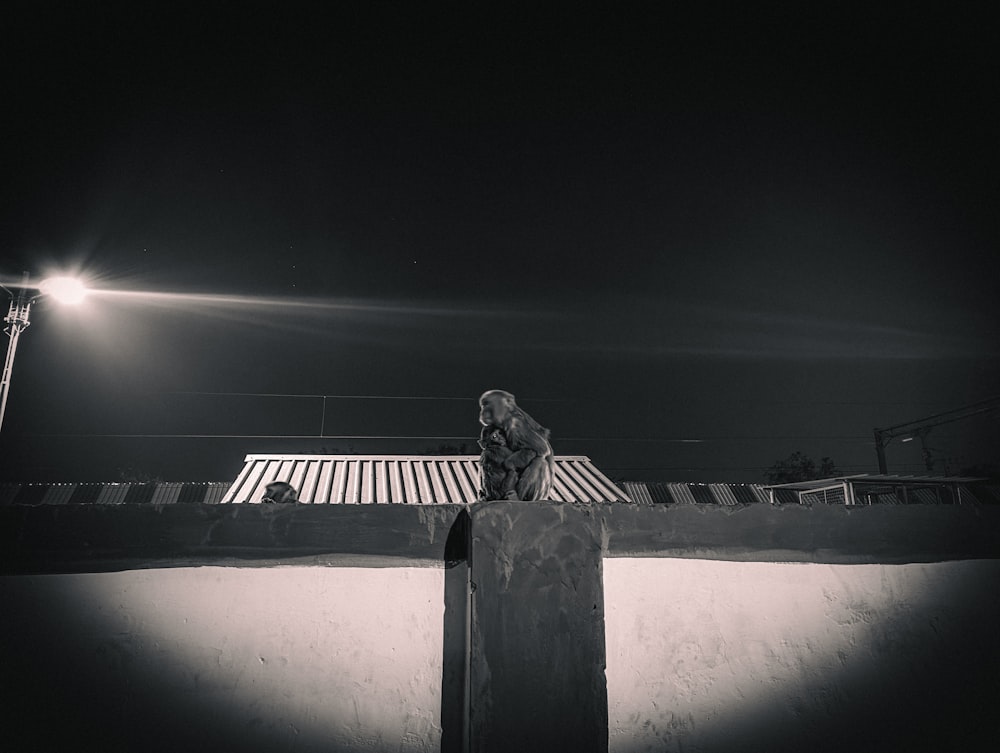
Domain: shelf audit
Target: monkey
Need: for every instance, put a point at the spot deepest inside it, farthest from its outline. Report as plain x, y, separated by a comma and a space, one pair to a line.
498, 465
279, 491
527, 440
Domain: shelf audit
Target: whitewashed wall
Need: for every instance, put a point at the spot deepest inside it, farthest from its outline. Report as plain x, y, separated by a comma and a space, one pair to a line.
215, 658
748, 656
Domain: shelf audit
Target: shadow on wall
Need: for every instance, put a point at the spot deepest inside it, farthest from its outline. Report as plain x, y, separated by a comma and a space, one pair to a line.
248, 659
734, 657
455, 649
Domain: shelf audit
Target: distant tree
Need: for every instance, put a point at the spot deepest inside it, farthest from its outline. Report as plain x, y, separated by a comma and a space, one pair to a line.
799, 467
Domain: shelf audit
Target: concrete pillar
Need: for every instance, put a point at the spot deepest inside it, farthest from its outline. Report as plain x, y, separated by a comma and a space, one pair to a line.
537, 656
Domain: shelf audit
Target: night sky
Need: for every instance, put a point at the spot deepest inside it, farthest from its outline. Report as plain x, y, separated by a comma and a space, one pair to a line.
690, 246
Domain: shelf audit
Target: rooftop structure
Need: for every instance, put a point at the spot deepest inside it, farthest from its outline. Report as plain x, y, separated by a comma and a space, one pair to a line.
328, 479
454, 479
403, 479
868, 489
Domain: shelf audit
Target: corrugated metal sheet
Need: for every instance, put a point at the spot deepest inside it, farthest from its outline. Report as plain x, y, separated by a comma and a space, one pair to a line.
403, 479
682, 494
214, 493
723, 494
8, 493
868, 478
166, 494
31, 494
785, 497
989, 495
58, 494
85, 494
926, 496
658, 492
965, 497
422, 479
113, 494
638, 491
871, 489
831, 495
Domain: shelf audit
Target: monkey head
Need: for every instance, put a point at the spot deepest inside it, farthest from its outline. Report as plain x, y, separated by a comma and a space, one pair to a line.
492, 436
495, 407
279, 491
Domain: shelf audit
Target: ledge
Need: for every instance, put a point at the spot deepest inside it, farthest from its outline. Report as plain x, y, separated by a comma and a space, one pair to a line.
834, 534
95, 538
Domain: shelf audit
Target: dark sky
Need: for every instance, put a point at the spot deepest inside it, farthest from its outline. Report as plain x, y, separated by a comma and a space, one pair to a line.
690, 246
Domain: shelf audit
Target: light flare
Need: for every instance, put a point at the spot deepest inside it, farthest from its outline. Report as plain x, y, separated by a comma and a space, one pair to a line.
67, 290
425, 308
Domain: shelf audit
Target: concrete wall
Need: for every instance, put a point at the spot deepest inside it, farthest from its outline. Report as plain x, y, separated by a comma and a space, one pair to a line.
751, 656
881, 637
218, 658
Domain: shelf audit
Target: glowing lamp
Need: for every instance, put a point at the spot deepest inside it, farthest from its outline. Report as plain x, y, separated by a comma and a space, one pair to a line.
64, 289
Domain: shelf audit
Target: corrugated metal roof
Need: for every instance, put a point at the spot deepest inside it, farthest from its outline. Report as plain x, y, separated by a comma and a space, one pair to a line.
867, 478
403, 479
814, 484
113, 493
682, 494
638, 491
690, 493
723, 494
889, 489
829, 495
426, 479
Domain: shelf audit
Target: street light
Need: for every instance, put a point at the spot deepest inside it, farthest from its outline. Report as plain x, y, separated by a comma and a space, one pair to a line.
66, 290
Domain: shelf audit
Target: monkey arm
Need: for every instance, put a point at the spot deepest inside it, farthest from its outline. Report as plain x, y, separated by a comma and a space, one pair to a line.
497, 456
519, 460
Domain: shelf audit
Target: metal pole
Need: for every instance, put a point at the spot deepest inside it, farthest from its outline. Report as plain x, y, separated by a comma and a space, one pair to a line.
16, 320
880, 452
925, 451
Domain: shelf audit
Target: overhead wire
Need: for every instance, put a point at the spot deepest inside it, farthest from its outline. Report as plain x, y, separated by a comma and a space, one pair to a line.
860, 439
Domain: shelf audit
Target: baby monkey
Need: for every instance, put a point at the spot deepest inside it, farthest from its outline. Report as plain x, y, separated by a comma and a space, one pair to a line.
279, 491
499, 466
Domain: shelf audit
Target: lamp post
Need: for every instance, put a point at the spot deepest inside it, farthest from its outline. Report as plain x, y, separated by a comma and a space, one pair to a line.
63, 289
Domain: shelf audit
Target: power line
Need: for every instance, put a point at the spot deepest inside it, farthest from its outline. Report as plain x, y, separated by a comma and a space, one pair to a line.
323, 397
466, 398
702, 440
247, 436
659, 400
557, 439
608, 468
